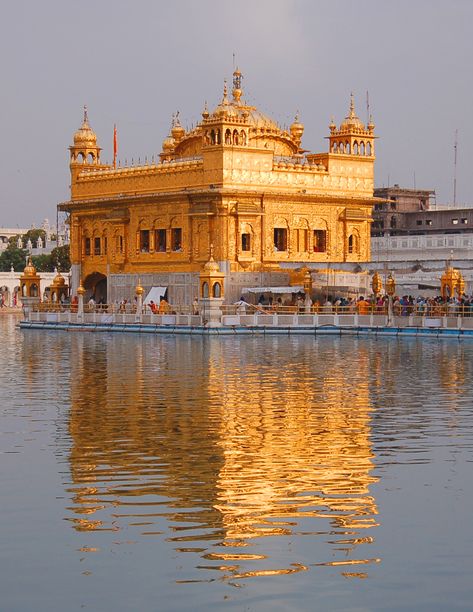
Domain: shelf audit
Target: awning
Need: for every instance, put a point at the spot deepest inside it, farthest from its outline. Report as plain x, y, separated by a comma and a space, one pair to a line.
155, 294
287, 289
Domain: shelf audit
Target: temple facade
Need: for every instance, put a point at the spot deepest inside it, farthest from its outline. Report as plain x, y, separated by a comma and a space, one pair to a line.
237, 182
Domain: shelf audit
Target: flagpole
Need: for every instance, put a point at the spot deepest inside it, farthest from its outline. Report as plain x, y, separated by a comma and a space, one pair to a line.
115, 147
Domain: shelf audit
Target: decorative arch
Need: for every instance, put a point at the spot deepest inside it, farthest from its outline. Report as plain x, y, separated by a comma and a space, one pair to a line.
369, 149
217, 290
236, 137
347, 147
362, 148
354, 243
228, 137
243, 137
355, 148
95, 286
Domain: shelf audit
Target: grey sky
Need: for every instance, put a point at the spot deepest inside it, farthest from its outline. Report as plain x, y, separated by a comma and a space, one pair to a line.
135, 63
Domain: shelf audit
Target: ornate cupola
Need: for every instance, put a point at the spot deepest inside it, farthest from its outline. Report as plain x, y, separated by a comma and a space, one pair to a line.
84, 152
169, 144
352, 137
451, 282
30, 282
228, 124
297, 129
177, 131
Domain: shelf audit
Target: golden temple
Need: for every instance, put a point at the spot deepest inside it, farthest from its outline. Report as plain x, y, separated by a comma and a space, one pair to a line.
237, 181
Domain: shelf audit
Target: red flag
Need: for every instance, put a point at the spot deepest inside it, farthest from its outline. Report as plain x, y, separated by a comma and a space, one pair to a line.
115, 146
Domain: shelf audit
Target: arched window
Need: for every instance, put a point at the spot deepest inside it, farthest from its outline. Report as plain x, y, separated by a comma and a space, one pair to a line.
355, 148
334, 147
243, 137
228, 137
236, 137
368, 148
362, 148
212, 137
90, 158
205, 289
218, 138
353, 243
217, 290
34, 290
347, 148
81, 158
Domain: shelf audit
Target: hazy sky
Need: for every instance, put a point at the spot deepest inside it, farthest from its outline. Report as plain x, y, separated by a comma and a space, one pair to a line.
135, 63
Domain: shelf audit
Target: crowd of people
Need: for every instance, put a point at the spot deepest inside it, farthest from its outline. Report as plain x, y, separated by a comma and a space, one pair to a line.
404, 305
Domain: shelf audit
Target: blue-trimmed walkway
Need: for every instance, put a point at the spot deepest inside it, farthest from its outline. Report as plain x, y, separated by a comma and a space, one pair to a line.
436, 332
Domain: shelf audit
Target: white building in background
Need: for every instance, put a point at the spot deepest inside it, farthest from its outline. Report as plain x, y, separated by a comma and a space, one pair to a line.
42, 247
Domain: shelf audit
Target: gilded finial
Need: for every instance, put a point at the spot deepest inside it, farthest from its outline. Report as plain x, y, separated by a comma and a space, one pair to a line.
86, 118
211, 251
205, 112
225, 92
352, 105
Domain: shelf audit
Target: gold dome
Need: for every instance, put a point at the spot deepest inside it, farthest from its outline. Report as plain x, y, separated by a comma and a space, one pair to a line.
297, 128
85, 136
29, 270
352, 121
59, 280
177, 131
80, 289
168, 144
139, 289
212, 265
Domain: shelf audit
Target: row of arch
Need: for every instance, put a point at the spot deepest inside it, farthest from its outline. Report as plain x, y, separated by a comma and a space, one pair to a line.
84, 158
237, 138
358, 148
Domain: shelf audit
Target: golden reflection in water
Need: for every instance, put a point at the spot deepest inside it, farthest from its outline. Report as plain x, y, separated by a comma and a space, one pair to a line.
216, 450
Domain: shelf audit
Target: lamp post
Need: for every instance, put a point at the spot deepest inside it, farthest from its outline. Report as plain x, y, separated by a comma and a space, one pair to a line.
390, 290
139, 301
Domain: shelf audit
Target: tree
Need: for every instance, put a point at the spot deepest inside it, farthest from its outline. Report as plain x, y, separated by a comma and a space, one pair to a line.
13, 256
33, 235
61, 258
43, 263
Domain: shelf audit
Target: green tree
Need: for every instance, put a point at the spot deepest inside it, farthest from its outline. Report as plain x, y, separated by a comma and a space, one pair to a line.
61, 258
13, 256
33, 235
43, 263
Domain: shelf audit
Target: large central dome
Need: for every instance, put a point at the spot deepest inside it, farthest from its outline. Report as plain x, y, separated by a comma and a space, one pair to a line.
262, 131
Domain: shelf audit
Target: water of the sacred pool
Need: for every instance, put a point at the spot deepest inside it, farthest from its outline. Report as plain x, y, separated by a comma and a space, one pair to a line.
144, 472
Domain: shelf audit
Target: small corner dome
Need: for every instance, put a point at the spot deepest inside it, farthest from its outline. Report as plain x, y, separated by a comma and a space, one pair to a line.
85, 135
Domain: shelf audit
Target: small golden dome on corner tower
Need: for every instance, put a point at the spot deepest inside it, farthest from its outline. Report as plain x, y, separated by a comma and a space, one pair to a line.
297, 129
85, 136
352, 121
168, 144
177, 131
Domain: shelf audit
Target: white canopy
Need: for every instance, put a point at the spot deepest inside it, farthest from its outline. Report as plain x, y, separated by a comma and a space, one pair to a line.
154, 295
288, 289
